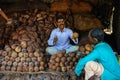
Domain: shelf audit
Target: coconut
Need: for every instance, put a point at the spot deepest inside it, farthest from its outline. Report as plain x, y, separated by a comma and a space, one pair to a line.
57, 59
36, 54
88, 47
75, 35
60, 55
7, 48
53, 57
66, 63
36, 69
58, 69
7, 58
62, 64
68, 68
71, 55
36, 63
9, 53
69, 58
13, 46
13, 68
23, 44
41, 68
63, 69
25, 55
87, 52
57, 64
30, 55
17, 59
18, 49
39, 59
31, 64
20, 54
9, 63
3, 68
54, 67
4, 53
63, 59
14, 54
71, 63
28, 59
4, 63
74, 59
34, 59
25, 64
23, 59
12, 59
19, 69
15, 64
31, 69
1, 51
42, 63
82, 49
20, 64
8, 68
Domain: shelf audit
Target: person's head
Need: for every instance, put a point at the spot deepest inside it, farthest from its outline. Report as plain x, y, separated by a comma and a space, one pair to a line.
96, 35
60, 22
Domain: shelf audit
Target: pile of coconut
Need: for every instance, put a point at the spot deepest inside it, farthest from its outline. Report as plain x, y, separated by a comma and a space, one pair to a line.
63, 62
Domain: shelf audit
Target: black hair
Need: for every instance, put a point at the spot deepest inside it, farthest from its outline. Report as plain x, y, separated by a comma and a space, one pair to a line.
59, 17
97, 33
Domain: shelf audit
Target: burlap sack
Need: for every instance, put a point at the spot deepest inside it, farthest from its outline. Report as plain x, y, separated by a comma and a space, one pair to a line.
86, 22
75, 6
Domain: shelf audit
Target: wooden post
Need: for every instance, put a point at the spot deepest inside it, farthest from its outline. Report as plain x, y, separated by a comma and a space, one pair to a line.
116, 24
3, 15
9, 21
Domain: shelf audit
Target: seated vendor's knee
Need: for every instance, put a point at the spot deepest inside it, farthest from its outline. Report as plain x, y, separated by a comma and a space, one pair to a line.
76, 48
51, 50
72, 49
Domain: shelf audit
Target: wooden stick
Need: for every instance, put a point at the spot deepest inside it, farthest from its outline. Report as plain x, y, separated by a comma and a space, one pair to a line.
3, 15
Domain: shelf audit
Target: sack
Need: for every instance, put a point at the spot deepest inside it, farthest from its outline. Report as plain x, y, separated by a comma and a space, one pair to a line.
74, 6
86, 22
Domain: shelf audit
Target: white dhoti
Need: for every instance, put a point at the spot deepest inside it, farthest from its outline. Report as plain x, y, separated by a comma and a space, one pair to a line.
93, 68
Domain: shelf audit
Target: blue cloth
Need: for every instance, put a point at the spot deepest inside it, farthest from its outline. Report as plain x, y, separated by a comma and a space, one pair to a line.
63, 38
102, 53
53, 50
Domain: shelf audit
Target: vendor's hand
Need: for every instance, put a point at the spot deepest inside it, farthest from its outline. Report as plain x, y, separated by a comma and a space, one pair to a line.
55, 39
75, 35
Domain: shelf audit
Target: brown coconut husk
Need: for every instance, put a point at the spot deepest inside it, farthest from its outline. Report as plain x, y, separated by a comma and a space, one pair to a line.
75, 6
86, 22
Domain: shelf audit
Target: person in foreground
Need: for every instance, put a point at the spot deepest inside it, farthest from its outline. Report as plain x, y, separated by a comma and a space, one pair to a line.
60, 38
101, 62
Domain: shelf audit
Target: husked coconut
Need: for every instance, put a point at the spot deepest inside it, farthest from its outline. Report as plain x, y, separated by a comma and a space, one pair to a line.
36, 54
18, 49
23, 44
14, 54
88, 47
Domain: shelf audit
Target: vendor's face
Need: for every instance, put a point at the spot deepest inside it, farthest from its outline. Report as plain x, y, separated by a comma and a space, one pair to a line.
61, 24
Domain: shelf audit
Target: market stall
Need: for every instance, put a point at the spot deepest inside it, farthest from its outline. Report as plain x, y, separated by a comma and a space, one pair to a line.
23, 41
